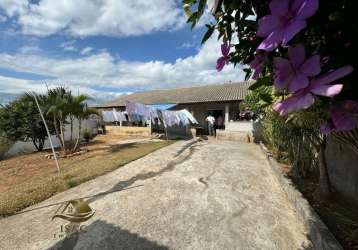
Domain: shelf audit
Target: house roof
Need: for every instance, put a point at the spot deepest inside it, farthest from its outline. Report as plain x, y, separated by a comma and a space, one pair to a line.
210, 93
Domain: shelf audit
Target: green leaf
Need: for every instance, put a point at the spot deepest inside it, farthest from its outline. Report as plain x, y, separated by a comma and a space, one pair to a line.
201, 7
262, 104
247, 73
191, 2
262, 81
266, 97
193, 19
187, 9
208, 33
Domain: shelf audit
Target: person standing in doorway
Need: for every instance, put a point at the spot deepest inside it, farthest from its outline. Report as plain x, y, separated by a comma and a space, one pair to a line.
220, 122
211, 122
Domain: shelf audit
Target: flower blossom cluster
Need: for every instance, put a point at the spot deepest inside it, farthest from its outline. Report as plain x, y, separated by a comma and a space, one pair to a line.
298, 76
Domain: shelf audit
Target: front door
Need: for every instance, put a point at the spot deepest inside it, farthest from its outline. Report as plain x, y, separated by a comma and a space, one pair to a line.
219, 118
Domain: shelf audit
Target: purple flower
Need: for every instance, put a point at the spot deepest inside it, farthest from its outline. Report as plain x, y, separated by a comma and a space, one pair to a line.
257, 64
293, 74
304, 98
326, 128
224, 59
343, 117
285, 21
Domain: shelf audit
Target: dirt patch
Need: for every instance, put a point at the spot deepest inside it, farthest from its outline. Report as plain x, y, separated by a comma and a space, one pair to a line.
28, 179
341, 218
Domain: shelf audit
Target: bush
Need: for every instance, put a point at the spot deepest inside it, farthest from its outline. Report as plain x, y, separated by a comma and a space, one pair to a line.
87, 135
289, 142
5, 145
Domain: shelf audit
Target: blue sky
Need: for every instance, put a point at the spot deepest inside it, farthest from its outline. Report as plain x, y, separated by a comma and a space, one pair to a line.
104, 48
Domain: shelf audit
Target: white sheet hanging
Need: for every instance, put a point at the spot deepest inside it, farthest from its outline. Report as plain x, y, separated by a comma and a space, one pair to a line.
189, 116
170, 118
113, 116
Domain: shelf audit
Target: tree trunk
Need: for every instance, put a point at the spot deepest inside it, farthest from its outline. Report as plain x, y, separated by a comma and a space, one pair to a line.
71, 136
41, 144
62, 138
79, 134
56, 130
35, 144
38, 143
324, 189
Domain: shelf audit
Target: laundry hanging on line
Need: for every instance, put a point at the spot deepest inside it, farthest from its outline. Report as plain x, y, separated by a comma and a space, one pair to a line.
169, 118
138, 112
113, 116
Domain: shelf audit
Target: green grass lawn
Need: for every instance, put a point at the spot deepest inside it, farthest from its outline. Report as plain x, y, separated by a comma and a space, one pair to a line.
29, 179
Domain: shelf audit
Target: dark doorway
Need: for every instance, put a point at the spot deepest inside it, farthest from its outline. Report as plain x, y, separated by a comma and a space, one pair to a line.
219, 118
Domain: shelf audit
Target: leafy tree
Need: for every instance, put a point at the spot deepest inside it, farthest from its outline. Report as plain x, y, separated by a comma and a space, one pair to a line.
57, 103
10, 118
258, 100
82, 112
5, 145
20, 120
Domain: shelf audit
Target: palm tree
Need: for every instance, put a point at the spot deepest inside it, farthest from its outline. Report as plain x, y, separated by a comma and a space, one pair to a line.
62, 105
82, 112
58, 101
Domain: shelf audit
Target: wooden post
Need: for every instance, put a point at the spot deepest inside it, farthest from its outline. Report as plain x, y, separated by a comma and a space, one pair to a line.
48, 133
165, 129
166, 132
226, 115
150, 125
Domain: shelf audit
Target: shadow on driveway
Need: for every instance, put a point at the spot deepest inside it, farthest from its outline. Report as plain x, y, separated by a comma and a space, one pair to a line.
169, 167
102, 235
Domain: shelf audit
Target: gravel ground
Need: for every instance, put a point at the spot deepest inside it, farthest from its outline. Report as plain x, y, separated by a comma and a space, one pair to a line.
189, 195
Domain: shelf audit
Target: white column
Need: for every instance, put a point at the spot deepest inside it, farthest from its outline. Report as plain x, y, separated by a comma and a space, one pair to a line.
226, 114
150, 125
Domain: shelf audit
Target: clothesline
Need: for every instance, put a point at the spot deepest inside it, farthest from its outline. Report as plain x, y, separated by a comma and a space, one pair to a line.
169, 118
113, 116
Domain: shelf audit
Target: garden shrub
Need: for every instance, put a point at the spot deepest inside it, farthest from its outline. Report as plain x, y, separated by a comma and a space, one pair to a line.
5, 145
289, 143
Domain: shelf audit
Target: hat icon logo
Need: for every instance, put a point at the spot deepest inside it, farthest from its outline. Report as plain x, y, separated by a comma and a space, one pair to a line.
74, 211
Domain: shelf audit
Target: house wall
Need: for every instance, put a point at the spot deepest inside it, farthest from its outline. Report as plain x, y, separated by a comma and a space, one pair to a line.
240, 126
117, 130
342, 164
201, 110
20, 147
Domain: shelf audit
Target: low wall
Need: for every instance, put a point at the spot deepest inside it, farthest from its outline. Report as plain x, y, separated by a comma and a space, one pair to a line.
342, 164
241, 126
117, 130
320, 236
234, 135
21, 147
179, 132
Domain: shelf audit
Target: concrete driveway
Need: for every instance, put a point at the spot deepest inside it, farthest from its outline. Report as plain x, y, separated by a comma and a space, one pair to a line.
189, 195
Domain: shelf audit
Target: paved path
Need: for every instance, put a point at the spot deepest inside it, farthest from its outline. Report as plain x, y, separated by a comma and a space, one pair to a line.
204, 195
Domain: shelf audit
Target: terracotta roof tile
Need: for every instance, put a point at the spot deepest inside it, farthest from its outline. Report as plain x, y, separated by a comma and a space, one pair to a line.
209, 93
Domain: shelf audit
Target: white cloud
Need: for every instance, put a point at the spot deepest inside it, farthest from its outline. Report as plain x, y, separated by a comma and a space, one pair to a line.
86, 51
68, 45
187, 45
14, 7
94, 17
103, 70
70, 48
29, 49
13, 87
